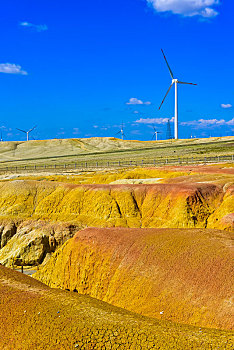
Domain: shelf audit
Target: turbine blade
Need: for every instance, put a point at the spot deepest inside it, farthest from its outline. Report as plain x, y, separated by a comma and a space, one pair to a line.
32, 129
22, 130
118, 132
167, 65
153, 137
166, 95
182, 82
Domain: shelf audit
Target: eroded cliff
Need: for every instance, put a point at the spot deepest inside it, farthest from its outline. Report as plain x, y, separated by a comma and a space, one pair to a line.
35, 214
156, 205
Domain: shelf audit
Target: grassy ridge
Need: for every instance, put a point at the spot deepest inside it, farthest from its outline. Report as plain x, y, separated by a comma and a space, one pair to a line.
111, 149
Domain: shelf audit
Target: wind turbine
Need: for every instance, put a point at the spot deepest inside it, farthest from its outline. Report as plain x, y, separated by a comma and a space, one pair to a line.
1, 137
121, 132
155, 134
27, 132
176, 82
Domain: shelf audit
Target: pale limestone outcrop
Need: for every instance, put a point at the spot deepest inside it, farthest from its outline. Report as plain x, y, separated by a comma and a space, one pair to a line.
32, 241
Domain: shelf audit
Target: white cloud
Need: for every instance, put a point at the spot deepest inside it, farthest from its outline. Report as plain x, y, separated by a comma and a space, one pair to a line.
228, 105
136, 132
201, 123
153, 120
231, 122
188, 8
10, 68
37, 27
76, 131
135, 101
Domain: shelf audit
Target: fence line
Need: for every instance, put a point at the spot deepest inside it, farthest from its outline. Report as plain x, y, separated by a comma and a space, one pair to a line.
85, 165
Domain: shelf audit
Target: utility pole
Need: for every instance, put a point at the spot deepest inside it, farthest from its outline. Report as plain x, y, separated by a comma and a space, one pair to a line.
168, 135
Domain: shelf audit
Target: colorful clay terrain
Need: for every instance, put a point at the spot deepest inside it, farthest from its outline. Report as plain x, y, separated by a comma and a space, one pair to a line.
159, 246
34, 316
32, 207
182, 275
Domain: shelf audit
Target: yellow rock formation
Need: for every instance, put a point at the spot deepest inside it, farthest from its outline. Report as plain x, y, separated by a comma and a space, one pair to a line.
158, 205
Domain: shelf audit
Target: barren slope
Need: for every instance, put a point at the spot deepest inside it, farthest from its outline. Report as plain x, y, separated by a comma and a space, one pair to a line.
183, 275
33, 316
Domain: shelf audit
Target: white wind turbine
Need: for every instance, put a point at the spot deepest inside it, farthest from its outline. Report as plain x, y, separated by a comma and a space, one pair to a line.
27, 132
121, 132
155, 134
176, 82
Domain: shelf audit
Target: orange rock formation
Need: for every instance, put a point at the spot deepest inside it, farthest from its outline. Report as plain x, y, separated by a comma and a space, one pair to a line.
183, 275
34, 316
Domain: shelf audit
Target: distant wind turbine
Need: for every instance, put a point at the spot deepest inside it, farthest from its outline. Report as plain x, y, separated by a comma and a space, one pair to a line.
155, 134
121, 132
176, 82
27, 132
1, 137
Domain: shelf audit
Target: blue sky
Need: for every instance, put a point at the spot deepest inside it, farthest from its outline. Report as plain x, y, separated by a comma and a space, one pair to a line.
81, 68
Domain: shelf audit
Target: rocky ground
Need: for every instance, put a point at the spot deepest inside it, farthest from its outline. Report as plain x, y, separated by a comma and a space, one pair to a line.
31, 242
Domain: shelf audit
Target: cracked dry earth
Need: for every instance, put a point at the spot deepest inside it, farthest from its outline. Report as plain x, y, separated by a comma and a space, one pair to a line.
34, 316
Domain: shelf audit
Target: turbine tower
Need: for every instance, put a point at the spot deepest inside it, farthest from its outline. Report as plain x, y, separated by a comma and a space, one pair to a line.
176, 82
121, 132
27, 132
155, 134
